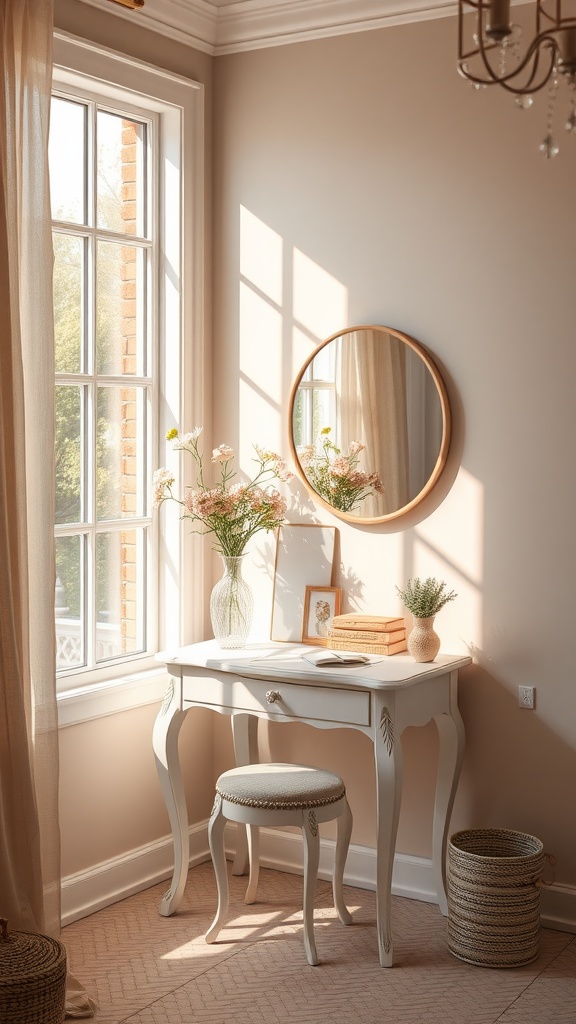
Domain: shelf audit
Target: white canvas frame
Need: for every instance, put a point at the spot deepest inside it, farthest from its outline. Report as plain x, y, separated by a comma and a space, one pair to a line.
304, 557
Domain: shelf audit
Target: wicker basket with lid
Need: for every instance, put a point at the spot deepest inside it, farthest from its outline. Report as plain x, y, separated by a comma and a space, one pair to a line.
32, 978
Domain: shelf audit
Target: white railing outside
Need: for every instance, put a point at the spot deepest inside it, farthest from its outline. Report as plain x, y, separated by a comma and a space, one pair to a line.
69, 652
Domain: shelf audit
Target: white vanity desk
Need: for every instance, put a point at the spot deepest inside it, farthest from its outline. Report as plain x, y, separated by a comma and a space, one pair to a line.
272, 681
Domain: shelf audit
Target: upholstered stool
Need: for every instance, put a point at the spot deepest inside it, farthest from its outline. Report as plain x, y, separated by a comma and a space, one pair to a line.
281, 794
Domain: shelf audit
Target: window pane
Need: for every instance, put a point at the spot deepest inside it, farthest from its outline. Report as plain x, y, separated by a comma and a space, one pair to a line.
323, 411
120, 301
68, 302
119, 452
298, 419
120, 184
67, 146
120, 593
324, 364
68, 603
68, 454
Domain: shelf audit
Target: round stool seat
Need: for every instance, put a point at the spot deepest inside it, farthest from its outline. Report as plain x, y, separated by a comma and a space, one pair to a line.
281, 794
279, 787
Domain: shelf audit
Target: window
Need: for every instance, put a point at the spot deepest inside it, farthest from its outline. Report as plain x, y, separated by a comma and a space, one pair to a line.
128, 327
105, 248
316, 400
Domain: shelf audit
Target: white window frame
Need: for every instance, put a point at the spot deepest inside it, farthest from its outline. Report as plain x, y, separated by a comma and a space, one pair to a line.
178, 106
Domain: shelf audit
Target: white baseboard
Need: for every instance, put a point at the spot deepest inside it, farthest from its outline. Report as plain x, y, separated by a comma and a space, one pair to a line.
113, 880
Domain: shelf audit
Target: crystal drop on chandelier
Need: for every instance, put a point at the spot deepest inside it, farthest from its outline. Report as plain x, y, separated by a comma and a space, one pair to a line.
571, 122
548, 147
524, 102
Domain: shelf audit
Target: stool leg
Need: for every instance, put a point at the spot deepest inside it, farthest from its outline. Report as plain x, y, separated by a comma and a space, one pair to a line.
216, 827
344, 824
311, 859
254, 858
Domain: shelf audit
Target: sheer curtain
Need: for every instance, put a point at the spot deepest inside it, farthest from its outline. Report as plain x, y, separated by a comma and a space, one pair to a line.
29, 831
372, 409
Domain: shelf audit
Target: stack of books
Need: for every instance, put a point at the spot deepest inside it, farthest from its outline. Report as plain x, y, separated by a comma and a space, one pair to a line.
373, 634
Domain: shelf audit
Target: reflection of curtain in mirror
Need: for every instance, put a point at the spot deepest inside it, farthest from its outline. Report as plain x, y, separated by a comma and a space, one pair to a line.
371, 384
424, 421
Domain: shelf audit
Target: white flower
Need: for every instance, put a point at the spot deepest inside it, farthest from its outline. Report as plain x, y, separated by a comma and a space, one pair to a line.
192, 436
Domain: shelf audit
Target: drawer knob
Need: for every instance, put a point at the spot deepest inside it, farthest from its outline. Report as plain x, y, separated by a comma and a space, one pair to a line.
273, 696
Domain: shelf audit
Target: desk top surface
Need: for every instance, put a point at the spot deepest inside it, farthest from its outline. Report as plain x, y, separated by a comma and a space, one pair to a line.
286, 661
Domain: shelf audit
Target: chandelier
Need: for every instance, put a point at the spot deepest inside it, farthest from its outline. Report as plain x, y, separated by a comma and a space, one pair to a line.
496, 54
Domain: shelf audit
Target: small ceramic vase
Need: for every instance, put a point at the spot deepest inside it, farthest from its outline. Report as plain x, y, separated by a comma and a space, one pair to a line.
423, 643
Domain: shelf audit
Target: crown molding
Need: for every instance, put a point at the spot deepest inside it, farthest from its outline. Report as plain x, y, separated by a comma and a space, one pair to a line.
192, 22
256, 24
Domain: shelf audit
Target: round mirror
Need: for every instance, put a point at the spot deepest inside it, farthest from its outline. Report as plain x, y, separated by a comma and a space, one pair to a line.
370, 424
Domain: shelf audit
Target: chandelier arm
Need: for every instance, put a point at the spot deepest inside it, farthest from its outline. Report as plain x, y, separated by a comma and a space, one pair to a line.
544, 40
534, 53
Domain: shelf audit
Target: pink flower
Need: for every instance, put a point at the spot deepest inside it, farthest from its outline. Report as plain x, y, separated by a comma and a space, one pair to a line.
222, 454
233, 512
305, 453
161, 483
340, 466
355, 447
375, 482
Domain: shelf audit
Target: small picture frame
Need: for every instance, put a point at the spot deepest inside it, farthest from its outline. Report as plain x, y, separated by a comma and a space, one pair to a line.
321, 604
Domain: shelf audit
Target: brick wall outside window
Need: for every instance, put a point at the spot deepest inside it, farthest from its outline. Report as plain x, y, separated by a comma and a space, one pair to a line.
128, 329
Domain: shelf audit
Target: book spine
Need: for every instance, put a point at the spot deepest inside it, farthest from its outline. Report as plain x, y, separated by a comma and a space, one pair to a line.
338, 633
375, 625
367, 648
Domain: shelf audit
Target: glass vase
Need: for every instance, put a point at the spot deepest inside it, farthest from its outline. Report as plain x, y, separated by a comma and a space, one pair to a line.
231, 605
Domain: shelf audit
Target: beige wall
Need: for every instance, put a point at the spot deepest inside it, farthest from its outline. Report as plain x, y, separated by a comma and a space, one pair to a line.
110, 797
358, 179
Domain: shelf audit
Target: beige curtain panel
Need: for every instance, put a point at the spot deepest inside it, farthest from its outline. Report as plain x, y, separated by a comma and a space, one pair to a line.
373, 367
29, 831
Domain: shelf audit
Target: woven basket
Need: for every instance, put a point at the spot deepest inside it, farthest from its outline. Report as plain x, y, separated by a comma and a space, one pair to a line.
32, 978
494, 880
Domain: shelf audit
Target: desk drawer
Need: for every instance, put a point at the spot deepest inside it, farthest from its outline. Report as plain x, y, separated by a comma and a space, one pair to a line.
322, 703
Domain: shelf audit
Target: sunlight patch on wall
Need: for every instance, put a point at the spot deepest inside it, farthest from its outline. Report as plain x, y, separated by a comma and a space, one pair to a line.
260, 355
320, 301
456, 528
449, 546
260, 338
261, 256
302, 347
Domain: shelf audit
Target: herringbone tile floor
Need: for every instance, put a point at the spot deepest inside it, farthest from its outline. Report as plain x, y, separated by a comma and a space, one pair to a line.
146, 969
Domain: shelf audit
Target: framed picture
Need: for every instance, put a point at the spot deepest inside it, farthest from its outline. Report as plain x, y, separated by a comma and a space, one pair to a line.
304, 551
321, 604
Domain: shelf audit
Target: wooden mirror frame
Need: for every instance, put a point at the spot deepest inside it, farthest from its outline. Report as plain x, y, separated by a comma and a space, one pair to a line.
446, 426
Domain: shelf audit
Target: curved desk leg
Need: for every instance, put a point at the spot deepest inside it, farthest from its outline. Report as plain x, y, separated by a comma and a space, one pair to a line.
245, 736
388, 755
452, 737
165, 744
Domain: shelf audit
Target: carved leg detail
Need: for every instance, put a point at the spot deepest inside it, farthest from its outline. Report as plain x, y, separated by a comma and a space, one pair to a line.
388, 755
